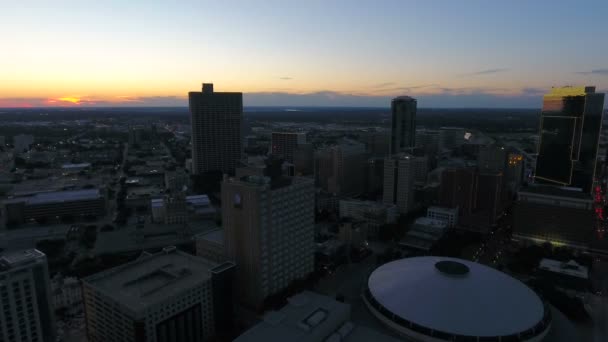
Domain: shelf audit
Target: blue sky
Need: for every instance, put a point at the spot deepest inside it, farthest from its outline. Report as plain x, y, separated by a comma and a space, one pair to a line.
446, 53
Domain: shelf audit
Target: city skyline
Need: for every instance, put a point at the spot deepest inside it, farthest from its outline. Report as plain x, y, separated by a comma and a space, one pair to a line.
475, 54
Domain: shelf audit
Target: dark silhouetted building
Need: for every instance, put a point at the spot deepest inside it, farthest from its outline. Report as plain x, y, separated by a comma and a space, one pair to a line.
268, 232
284, 144
166, 296
403, 129
570, 125
217, 141
550, 214
26, 312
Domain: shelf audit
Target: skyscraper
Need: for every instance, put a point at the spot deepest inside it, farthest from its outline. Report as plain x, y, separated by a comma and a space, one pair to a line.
403, 131
26, 313
217, 142
570, 126
284, 144
269, 232
399, 178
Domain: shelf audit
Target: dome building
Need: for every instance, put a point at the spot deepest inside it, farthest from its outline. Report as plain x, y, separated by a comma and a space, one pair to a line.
440, 299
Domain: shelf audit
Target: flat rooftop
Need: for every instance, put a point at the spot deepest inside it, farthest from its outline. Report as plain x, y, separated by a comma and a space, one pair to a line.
152, 279
555, 191
57, 197
215, 236
570, 268
19, 258
309, 316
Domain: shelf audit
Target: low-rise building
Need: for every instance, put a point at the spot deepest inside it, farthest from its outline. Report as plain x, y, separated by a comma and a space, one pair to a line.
311, 317
569, 275
51, 205
447, 215
423, 235
374, 214
210, 245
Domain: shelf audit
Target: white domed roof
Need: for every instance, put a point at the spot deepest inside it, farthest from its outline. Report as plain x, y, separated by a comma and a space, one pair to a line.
456, 296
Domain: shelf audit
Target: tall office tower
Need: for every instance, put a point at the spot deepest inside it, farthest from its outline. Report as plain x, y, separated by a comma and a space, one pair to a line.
570, 126
459, 190
428, 140
376, 143
399, 178
403, 131
26, 312
166, 296
341, 169
451, 137
269, 232
284, 144
217, 142
304, 160
491, 158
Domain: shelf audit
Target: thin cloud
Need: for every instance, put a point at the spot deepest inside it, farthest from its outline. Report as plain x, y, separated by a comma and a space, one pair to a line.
384, 85
486, 72
286, 78
603, 72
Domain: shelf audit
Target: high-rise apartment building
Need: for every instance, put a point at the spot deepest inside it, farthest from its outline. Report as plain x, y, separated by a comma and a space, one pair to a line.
166, 296
399, 179
570, 126
284, 144
268, 232
217, 141
26, 312
403, 124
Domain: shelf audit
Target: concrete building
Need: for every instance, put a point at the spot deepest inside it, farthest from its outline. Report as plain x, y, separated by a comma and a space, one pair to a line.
22, 142
556, 215
268, 231
177, 180
428, 140
304, 160
66, 292
569, 275
217, 140
373, 214
376, 143
284, 144
311, 317
492, 158
26, 311
210, 245
341, 169
423, 235
167, 296
52, 205
399, 178
403, 124
447, 215
451, 137
421, 170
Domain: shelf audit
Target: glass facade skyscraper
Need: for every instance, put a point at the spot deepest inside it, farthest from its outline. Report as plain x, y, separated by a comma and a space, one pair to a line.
570, 126
403, 124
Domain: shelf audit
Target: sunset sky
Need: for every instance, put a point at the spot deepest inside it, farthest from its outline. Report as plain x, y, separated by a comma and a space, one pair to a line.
316, 52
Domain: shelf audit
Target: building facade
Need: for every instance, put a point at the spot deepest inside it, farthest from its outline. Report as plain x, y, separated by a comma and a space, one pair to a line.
26, 311
403, 124
570, 126
447, 215
161, 297
217, 140
284, 144
268, 232
399, 179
